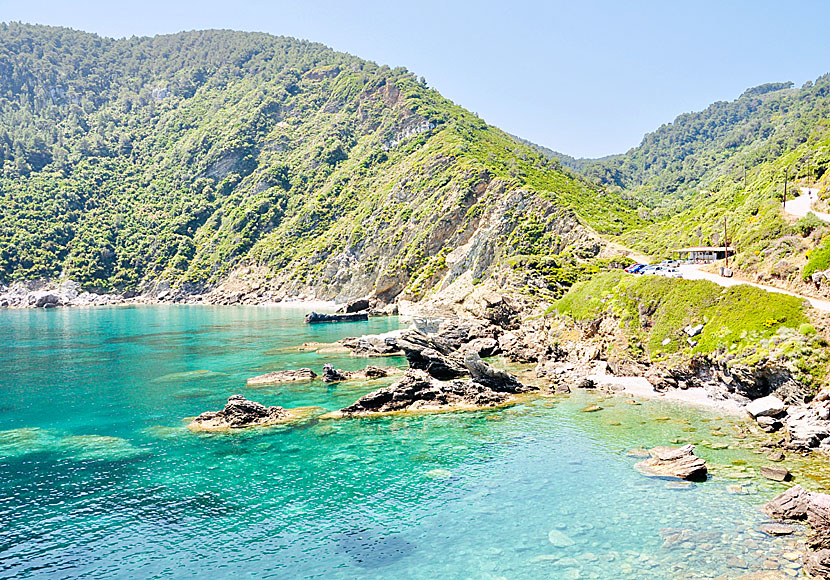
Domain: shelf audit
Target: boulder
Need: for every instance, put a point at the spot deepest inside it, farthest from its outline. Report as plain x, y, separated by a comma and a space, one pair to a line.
818, 517
417, 390
47, 301
769, 406
775, 472
769, 424
693, 331
287, 376
333, 375
680, 462
358, 305
790, 505
497, 379
237, 414
317, 318
482, 346
817, 563
374, 344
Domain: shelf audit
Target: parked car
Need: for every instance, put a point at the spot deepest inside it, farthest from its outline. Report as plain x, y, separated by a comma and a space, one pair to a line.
634, 268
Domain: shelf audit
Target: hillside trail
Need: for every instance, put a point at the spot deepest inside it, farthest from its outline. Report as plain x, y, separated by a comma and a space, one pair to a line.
693, 272
797, 207
802, 204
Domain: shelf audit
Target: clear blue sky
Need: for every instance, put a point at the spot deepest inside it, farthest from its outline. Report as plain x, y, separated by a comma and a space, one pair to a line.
585, 78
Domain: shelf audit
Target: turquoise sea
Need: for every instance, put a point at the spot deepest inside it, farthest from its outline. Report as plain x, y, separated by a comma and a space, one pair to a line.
100, 479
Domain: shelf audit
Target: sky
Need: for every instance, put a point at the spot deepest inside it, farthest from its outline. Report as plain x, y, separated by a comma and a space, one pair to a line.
586, 78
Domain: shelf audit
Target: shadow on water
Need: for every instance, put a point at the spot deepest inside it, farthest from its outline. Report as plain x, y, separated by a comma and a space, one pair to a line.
373, 549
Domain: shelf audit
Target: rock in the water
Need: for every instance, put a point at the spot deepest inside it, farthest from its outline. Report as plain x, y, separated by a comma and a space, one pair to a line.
497, 379
237, 414
776, 529
316, 317
333, 375
790, 505
775, 456
769, 406
374, 344
678, 462
775, 472
559, 539
818, 516
417, 391
817, 563
287, 376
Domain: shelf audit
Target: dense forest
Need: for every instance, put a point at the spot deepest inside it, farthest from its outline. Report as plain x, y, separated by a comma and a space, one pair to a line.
182, 157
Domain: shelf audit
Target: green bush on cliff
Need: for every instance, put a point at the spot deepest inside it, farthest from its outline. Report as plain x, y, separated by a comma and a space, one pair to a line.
819, 260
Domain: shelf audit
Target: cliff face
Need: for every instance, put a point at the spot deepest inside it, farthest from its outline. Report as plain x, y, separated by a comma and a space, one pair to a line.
182, 159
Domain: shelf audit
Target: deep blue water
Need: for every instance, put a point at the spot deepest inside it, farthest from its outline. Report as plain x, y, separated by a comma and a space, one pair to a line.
100, 479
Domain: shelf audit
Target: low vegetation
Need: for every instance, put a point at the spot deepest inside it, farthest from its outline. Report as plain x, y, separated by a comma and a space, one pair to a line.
743, 321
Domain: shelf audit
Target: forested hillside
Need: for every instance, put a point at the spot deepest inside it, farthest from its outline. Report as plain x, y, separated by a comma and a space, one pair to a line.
689, 154
181, 157
722, 172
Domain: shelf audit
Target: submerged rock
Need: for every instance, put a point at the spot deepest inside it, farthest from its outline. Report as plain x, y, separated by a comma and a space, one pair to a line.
287, 376
237, 414
417, 390
678, 462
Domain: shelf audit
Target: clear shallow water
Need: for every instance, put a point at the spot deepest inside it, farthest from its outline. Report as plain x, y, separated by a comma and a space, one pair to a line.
100, 479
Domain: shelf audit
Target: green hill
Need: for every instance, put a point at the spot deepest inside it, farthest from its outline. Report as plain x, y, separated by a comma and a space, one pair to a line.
183, 157
677, 160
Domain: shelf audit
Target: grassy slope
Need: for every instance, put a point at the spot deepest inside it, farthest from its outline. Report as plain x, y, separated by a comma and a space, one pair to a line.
743, 321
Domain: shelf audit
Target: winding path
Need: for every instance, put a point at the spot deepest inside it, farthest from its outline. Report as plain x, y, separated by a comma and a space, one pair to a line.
803, 204
693, 272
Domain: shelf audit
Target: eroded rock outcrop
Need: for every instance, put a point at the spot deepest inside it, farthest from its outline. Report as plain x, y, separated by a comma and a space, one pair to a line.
678, 462
418, 391
239, 413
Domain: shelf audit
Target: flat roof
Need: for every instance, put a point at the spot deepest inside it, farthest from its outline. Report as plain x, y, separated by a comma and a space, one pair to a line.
704, 249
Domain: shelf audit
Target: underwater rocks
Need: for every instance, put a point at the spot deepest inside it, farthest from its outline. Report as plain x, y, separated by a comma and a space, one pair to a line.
333, 375
317, 318
417, 390
287, 376
797, 504
678, 462
238, 414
